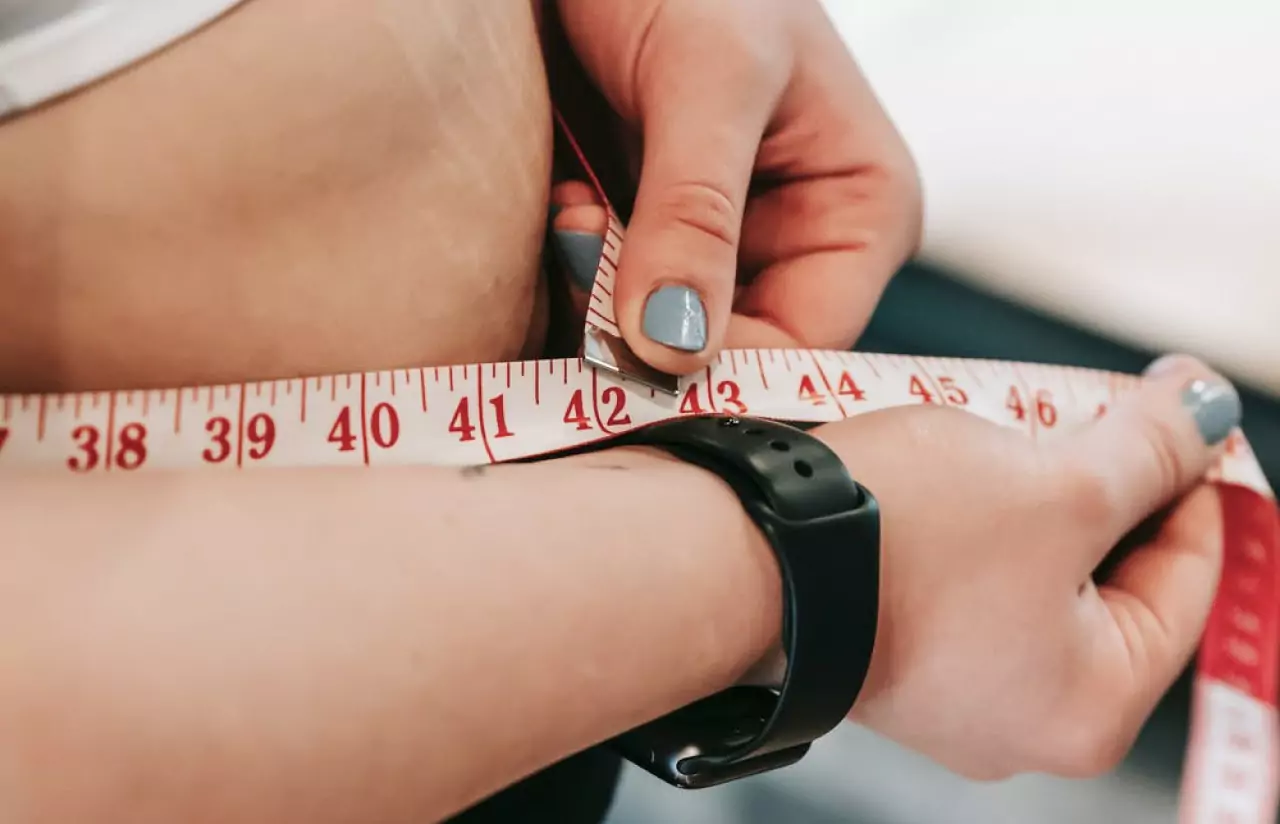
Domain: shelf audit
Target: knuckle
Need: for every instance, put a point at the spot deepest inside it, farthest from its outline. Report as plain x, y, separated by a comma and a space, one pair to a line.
1091, 497
704, 208
754, 53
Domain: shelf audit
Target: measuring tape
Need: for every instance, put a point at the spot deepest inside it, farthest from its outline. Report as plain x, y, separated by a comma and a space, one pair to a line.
497, 412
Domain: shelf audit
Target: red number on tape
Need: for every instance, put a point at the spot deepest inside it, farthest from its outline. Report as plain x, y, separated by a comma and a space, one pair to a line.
499, 405
690, 405
86, 438
384, 426
615, 397
341, 433
731, 394
918, 390
132, 453
1014, 404
261, 434
576, 414
954, 394
4, 436
1046, 412
849, 389
809, 393
219, 430
461, 424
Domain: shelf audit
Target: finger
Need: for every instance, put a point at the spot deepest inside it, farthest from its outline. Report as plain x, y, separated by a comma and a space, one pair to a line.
1138, 629
568, 193
825, 248
579, 223
678, 269
1154, 445
845, 212
1160, 595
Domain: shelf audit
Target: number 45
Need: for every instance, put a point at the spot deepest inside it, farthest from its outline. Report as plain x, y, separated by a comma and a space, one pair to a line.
952, 393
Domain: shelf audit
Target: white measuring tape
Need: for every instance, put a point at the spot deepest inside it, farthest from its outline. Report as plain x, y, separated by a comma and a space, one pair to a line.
485, 413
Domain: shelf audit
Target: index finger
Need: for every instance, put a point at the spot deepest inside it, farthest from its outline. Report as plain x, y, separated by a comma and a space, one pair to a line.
1160, 596
837, 207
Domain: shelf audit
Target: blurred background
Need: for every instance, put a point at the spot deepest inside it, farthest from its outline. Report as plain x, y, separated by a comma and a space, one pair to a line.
1102, 185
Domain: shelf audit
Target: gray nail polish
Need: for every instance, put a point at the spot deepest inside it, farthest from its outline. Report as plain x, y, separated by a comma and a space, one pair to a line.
1216, 408
580, 252
675, 317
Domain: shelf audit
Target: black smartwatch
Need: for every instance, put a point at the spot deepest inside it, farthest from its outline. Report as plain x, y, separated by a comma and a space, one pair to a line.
824, 529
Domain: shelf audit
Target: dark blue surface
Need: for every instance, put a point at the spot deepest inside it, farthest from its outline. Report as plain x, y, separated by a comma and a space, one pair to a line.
926, 313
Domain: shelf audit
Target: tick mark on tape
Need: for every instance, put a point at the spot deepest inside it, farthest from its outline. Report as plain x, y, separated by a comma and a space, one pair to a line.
974, 374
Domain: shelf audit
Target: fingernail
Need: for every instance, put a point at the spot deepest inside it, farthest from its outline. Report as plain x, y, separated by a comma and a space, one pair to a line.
1162, 366
675, 317
580, 253
1216, 408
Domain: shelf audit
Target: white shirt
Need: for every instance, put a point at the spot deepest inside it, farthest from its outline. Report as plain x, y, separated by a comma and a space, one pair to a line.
51, 47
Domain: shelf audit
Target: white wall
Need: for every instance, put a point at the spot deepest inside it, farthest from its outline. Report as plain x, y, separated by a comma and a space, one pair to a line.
1115, 161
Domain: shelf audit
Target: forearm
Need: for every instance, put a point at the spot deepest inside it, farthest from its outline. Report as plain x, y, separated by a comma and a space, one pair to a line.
356, 646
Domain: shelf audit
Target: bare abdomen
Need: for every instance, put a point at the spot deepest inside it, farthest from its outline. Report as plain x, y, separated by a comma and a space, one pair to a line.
305, 187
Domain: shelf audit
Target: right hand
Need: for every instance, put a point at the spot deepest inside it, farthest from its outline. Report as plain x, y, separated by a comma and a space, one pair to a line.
998, 653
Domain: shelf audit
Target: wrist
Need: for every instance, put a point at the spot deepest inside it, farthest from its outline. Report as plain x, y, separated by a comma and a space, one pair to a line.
746, 616
823, 528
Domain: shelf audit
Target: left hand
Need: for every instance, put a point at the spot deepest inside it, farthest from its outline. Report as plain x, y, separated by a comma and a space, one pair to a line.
775, 198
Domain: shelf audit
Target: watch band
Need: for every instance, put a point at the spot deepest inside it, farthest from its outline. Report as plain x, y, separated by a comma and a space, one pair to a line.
824, 529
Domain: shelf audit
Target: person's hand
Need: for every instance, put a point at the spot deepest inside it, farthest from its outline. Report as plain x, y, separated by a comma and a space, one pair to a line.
767, 164
998, 652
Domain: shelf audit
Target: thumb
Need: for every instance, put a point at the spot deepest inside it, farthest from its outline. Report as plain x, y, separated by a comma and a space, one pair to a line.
702, 126
1157, 443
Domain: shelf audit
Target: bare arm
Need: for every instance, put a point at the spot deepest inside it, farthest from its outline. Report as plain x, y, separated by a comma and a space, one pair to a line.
356, 646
